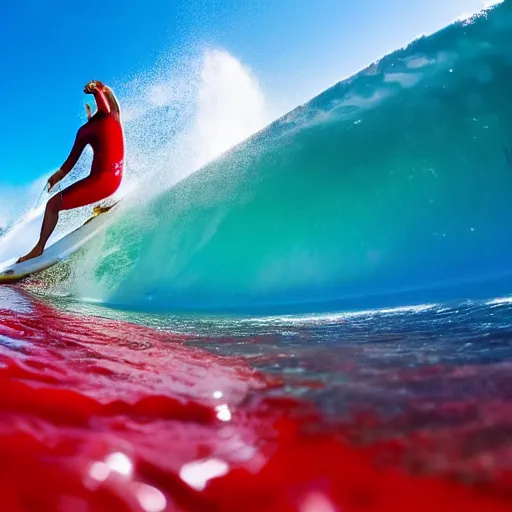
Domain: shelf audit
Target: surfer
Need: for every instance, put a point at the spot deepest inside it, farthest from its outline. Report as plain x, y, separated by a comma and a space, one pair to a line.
104, 133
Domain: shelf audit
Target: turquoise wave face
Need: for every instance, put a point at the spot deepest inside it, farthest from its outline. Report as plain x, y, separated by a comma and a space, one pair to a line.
399, 178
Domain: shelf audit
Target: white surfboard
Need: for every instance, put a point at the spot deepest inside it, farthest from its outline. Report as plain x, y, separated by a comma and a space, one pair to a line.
58, 251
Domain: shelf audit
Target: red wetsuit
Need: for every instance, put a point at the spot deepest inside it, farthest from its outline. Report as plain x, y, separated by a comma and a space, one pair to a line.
104, 133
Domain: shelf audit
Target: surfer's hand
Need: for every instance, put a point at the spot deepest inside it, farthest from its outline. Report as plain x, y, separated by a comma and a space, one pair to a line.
54, 179
92, 86
88, 111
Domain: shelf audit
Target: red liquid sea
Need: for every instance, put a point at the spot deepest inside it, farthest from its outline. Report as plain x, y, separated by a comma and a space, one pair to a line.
101, 415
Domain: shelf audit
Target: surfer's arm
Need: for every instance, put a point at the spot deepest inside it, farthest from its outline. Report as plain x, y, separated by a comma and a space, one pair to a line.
102, 100
105, 99
78, 147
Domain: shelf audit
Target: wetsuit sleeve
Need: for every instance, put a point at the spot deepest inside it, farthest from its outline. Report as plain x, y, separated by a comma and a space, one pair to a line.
80, 142
102, 101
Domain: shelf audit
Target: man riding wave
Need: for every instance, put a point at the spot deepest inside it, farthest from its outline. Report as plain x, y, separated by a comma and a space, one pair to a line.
104, 133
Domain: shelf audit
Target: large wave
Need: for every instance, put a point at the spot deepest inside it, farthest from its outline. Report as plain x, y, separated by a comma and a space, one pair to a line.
398, 178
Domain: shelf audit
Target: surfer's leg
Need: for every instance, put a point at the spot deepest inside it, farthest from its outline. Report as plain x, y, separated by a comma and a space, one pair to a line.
88, 191
51, 217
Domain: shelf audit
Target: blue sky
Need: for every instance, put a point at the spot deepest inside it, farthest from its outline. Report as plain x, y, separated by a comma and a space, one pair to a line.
296, 48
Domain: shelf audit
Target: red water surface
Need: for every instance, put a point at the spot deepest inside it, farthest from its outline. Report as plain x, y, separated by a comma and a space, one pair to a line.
101, 415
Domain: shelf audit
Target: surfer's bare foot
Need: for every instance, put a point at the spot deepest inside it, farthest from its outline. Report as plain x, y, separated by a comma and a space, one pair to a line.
102, 209
34, 253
